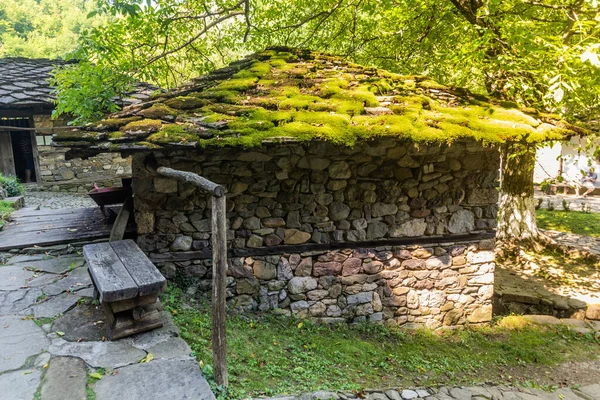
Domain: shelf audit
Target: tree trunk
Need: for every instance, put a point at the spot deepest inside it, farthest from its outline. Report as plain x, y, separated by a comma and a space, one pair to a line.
516, 214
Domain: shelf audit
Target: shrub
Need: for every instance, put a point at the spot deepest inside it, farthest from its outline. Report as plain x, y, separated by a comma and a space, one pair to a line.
539, 203
566, 205
550, 205
545, 185
12, 185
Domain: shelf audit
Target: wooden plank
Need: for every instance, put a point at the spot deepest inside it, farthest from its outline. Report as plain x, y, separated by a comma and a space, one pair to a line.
146, 319
108, 272
120, 224
7, 162
36, 156
219, 293
39, 226
47, 212
147, 277
8, 241
123, 305
300, 248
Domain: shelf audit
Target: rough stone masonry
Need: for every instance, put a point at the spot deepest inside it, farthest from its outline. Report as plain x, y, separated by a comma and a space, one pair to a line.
385, 230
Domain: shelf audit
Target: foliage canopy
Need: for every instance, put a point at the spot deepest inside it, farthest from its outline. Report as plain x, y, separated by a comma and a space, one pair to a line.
537, 53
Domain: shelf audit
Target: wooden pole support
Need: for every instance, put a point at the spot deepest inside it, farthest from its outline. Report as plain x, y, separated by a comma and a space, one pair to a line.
219, 245
195, 179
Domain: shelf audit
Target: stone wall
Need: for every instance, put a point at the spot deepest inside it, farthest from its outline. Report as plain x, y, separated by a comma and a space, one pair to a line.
353, 214
447, 284
77, 175
320, 193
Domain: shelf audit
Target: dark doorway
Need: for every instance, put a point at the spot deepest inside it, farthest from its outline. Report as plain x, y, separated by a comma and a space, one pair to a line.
19, 147
23, 153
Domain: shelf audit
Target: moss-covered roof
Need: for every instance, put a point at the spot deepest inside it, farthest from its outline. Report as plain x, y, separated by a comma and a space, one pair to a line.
283, 94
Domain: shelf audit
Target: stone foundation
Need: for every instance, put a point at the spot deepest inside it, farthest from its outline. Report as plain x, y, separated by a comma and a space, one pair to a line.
432, 286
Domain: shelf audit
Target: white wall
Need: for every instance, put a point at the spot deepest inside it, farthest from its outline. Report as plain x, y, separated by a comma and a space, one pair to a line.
547, 163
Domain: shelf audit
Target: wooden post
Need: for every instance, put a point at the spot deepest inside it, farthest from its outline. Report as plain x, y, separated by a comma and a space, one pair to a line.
219, 247
219, 256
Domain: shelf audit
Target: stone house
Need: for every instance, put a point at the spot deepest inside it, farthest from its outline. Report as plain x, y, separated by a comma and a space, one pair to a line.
353, 194
25, 103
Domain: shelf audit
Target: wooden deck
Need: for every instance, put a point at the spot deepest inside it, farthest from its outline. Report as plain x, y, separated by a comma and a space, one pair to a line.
48, 227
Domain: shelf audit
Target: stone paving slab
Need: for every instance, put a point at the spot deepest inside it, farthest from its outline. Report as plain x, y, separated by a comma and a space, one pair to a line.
19, 385
18, 300
178, 382
55, 286
83, 323
65, 380
75, 280
19, 340
53, 265
53, 306
98, 354
13, 277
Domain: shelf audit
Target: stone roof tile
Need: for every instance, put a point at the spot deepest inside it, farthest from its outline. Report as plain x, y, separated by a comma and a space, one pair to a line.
282, 95
24, 82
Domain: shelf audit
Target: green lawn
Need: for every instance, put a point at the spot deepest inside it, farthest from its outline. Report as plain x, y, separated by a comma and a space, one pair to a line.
6, 209
577, 222
271, 355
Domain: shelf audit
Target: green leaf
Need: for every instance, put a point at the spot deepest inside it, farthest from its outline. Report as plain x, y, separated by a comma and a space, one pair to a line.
96, 375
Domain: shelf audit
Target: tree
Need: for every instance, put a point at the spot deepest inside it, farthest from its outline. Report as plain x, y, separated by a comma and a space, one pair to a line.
537, 53
43, 28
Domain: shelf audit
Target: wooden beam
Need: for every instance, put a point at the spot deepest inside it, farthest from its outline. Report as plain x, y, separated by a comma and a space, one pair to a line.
195, 179
120, 224
219, 295
309, 247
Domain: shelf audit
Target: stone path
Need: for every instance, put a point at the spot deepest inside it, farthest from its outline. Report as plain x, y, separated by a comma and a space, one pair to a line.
51, 341
587, 244
591, 203
590, 392
54, 200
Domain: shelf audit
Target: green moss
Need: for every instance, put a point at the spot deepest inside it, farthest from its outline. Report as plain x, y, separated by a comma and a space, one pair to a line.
145, 126
241, 125
277, 62
298, 102
260, 69
185, 102
172, 133
230, 109
159, 111
431, 85
276, 117
281, 93
84, 136
322, 106
269, 103
238, 84
114, 123
332, 87
116, 135
220, 96
322, 118
361, 94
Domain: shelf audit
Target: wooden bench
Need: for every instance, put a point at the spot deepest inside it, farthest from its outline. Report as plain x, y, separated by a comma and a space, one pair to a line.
127, 285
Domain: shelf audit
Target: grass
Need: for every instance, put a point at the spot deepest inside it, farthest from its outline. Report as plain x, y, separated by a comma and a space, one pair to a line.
271, 355
580, 223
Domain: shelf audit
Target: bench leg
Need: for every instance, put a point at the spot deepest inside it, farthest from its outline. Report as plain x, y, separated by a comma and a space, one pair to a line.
137, 320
